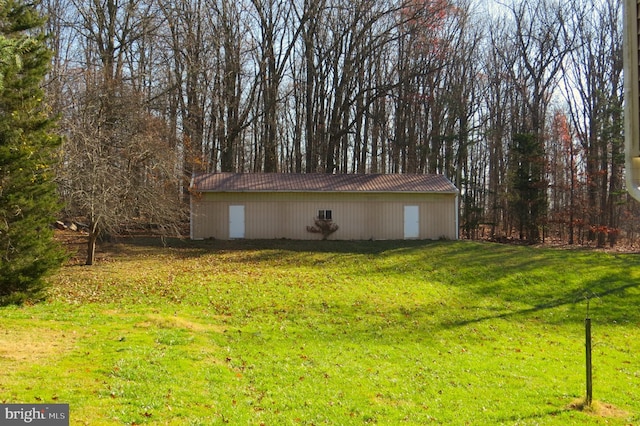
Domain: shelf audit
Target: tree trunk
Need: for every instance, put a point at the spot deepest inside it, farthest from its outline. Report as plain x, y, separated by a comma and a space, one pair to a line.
91, 248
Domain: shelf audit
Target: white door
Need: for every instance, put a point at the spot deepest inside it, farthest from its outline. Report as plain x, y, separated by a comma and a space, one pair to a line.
236, 222
411, 222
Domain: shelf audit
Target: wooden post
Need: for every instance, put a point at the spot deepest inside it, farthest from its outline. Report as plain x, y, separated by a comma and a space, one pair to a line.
587, 327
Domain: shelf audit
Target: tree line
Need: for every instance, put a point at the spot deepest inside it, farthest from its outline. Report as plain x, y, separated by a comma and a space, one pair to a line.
519, 103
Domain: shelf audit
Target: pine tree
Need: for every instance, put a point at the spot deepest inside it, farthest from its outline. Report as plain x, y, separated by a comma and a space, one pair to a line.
529, 203
28, 200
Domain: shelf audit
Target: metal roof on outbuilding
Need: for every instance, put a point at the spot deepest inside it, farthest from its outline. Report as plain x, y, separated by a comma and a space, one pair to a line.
318, 182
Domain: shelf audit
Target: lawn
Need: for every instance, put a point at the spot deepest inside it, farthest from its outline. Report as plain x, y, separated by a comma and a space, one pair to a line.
335, 333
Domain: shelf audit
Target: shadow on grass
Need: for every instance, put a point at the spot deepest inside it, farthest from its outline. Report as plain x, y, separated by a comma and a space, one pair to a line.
544, 279
612, 313
513, 280
195, 248
520, 281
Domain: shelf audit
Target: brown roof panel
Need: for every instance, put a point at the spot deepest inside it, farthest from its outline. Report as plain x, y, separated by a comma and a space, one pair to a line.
317, 182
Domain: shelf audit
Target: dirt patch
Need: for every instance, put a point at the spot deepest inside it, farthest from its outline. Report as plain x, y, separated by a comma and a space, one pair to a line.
173, 321
179, 322
599, 409
29, 346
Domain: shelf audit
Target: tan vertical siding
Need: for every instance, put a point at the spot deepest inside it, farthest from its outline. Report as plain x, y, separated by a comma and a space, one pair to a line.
359, 216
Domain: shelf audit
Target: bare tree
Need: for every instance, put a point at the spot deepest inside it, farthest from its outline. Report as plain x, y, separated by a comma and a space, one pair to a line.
118, 174
277, 31
119, 165
498, 100
594, 75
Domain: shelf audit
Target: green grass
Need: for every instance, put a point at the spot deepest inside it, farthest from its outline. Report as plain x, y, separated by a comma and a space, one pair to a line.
338, 333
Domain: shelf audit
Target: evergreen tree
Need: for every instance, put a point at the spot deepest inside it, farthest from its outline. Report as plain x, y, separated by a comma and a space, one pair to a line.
529, 202
28, 200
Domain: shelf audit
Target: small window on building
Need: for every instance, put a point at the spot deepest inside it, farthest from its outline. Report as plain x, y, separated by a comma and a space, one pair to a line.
324, 215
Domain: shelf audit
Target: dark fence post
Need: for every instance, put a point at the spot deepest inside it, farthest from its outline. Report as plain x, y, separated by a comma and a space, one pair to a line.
587, 327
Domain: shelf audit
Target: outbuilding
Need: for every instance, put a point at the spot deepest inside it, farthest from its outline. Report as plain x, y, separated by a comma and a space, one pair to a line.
314, 206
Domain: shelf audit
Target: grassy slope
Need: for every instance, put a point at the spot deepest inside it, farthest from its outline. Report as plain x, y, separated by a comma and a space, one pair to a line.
330, 333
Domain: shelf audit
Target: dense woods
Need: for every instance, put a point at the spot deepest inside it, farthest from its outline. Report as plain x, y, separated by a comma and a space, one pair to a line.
518, 103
